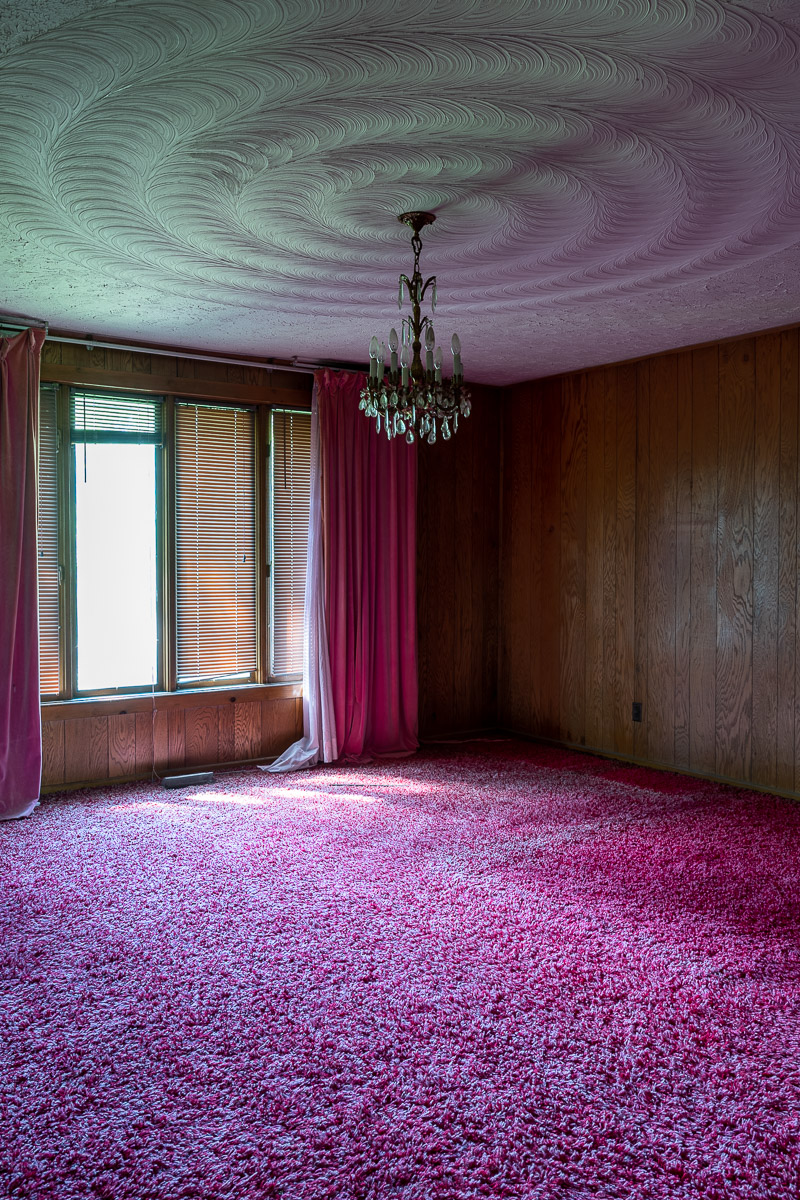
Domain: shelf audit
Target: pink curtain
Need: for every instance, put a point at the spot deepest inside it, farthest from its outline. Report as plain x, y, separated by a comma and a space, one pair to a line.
369, 523
20, 719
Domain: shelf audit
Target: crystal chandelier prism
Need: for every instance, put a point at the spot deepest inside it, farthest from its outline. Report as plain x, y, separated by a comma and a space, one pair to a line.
410, 398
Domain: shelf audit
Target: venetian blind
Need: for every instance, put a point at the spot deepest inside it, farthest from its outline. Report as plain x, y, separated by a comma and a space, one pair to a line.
291, 485
47, 532
103, 417
215, 542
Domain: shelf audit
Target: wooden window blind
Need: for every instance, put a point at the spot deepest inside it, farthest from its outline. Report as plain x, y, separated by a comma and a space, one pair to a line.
290, 490
47, 531
216, 632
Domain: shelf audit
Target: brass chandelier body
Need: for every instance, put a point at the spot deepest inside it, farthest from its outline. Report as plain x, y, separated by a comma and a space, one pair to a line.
411, 397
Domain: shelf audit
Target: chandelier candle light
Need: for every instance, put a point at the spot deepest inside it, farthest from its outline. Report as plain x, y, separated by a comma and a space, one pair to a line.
412, 396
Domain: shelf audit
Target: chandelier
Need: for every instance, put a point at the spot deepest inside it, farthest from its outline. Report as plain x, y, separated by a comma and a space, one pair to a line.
411, 396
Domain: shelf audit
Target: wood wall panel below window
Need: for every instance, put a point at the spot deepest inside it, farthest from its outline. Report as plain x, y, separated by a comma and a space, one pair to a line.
135, 744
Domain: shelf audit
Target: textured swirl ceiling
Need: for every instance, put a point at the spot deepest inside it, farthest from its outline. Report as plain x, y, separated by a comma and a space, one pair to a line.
611, 177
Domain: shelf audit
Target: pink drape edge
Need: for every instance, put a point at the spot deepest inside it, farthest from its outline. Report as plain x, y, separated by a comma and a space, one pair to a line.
318, 743
20, 715
369, 534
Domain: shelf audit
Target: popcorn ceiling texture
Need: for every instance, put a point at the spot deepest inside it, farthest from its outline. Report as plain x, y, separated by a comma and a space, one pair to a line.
496, 971
611, 178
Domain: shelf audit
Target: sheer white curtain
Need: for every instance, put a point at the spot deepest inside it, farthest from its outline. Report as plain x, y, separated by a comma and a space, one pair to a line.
318, 743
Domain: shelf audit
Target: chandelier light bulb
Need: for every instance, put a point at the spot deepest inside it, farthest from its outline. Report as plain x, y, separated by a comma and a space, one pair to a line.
414, 396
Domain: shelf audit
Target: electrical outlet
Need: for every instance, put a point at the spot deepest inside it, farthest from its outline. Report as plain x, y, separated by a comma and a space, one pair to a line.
637, 710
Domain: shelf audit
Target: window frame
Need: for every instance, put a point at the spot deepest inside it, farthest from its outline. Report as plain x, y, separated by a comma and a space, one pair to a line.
166, 541
71, 574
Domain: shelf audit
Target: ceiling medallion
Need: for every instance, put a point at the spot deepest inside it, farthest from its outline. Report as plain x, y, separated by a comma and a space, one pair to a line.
412, 396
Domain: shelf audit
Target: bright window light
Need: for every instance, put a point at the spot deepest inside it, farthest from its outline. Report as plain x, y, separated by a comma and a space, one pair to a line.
115, 536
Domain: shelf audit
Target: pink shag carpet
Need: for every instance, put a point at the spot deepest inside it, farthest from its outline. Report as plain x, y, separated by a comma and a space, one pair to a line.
497, 970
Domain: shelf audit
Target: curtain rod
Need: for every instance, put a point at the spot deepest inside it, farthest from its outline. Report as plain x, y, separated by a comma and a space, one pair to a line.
90, 343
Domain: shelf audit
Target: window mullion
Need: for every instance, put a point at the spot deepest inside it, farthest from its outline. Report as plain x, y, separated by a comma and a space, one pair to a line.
168, 607
262, 534
67, 560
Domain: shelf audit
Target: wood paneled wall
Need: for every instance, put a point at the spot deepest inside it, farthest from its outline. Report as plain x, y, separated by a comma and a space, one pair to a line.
650, 553
457, 565
193, 377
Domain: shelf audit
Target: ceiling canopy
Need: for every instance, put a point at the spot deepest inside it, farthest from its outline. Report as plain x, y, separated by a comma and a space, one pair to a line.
610, 177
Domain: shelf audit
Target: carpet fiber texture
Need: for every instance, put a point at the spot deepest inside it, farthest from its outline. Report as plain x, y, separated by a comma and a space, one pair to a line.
496, 970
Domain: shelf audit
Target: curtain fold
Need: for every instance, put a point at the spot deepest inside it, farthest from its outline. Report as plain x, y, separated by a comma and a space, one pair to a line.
369, 531
20, 715
360, 651
318, 743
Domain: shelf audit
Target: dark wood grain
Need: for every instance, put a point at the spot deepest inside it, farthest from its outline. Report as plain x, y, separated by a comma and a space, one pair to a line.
121, 746
486, 559
536, 712
703, 561
507, 639
625, 543
457, 574
247, 730
660, 718
279, 726
463, 615
594, 553
176, 738
788, 683
683, 560
518, 565
52, 753
144, 743
572, 638
549, 615
86, 749
609, 630
642, 558
202, 736
766, 557
161, 743
735, 560
226, 732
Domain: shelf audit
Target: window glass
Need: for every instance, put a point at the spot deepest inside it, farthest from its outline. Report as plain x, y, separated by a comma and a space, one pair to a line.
116, 566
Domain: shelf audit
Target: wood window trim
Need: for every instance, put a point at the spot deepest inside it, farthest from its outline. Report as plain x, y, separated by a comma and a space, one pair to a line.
114, 706
176, 385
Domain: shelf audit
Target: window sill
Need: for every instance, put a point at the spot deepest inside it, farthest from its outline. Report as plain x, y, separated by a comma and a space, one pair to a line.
211, 697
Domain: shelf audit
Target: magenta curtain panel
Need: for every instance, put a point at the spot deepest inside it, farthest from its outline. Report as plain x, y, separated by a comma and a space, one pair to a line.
369, 533
20, 719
